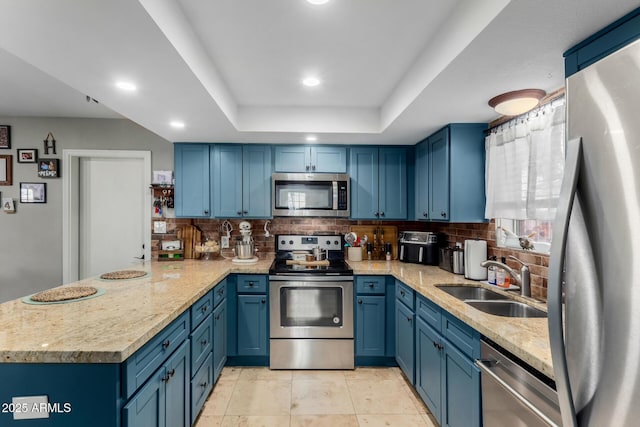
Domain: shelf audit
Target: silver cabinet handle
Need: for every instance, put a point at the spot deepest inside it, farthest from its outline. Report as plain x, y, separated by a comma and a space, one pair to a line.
486, 370
382, 213
556, 266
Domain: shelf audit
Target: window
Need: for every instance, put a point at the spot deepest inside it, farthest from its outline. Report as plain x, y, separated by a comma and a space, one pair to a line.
524, 169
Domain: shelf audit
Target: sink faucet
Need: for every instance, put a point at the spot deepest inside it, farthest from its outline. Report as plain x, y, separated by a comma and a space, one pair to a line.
523, 279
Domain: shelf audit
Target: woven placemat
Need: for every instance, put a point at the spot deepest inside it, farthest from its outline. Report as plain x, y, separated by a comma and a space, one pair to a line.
64, 294
123, 274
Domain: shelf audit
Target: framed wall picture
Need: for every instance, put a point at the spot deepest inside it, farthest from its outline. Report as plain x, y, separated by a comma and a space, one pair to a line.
48, 168
33, 192
27, 155
6, 177
5, 136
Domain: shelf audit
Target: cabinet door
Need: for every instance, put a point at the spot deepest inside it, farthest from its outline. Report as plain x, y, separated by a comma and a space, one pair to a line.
405, 354
253, 334
191, 164
428, 363
178, 388
363, 169
331, 159
370, 325
392, 167
256, 181
227, 180
219, 339
422, 181
292, 158
439, 178
461, 402
147, 407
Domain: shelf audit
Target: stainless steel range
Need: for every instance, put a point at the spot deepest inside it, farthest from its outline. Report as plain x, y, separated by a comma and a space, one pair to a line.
311, 304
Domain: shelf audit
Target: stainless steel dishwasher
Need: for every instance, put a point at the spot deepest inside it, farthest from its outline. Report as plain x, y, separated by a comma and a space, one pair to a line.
511, 395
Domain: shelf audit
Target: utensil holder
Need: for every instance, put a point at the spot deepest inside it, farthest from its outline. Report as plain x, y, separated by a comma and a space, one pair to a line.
354, 253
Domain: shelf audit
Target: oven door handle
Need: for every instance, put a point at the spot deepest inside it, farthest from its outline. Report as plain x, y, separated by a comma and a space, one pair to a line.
309, 278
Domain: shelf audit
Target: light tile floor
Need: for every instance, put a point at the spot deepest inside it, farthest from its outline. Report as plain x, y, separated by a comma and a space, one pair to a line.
363, 397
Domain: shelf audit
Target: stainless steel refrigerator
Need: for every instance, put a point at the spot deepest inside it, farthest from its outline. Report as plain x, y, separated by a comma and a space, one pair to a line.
595, 256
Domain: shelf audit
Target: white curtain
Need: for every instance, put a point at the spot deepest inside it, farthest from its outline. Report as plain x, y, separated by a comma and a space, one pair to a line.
524, 166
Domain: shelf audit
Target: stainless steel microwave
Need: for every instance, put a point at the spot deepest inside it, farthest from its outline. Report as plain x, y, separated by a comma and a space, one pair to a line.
310, 194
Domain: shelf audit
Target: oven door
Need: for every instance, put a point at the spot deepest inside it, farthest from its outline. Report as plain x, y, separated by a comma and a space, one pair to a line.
311, 307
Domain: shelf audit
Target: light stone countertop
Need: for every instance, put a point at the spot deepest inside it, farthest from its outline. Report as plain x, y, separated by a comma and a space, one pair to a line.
111, 327
527, 338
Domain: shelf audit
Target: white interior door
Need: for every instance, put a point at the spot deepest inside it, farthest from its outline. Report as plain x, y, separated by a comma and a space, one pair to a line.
106, 211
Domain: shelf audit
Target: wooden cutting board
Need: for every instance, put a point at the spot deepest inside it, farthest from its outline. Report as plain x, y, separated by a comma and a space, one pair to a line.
190, 236
309, 263
390, 235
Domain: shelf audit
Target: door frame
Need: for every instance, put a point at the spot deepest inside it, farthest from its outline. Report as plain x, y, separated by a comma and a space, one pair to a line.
71, 203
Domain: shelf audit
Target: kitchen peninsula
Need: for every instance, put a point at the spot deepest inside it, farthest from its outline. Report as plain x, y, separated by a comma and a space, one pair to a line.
78, 350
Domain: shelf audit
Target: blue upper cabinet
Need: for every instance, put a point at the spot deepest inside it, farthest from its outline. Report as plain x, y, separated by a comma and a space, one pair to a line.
241, 180
191, 164
392, 183
422, 181
378, 182
606, 41
331, 159
450, 174
226, 180
439, 175
256, 182
303, 158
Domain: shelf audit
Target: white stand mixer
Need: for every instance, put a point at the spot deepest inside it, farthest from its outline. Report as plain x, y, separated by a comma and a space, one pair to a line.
244, 248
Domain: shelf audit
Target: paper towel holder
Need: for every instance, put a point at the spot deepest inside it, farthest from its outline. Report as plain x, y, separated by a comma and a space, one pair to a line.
475, 251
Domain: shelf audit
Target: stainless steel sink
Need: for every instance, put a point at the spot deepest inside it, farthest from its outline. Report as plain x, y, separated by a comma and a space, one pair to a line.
471, 293
507, 308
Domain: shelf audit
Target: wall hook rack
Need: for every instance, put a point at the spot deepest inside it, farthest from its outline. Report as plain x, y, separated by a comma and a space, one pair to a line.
49, 144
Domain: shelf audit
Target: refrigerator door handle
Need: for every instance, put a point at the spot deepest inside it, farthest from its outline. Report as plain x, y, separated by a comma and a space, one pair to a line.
556, 267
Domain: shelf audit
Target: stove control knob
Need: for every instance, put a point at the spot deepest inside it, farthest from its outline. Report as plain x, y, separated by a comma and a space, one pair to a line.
282, 242
328, 242
291, 242
336, 243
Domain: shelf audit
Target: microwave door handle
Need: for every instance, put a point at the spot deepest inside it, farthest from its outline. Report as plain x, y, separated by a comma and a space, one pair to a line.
334, 187
420, 252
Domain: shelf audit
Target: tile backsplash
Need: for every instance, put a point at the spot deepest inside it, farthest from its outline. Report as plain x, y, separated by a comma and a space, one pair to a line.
458, 232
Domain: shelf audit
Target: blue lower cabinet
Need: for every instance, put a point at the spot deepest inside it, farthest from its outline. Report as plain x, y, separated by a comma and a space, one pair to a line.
201, 344
461, 402
405, 319
165, 399
446, 378
428, 372
201, 386
219, 339
370, 325
253, 331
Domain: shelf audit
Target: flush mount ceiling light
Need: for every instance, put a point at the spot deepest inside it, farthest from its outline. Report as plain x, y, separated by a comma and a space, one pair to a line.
318, 2
517, 102
177, 124
126, 86
311, 138
311, 81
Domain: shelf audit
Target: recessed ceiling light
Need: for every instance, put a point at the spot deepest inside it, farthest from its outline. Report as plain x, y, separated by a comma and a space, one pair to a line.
311, 81
126, 86
318, 2
311, 138
177, 124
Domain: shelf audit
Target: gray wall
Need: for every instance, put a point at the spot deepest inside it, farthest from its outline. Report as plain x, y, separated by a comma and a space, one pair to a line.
31, 249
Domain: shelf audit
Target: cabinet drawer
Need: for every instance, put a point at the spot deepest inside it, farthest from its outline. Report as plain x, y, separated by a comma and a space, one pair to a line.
219, 292
461, 335
201, 386
429, 312
201, 309
251, 284
201, 343
139, 367
405, 294
366, 285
